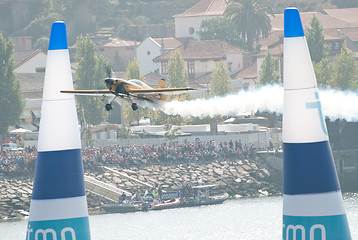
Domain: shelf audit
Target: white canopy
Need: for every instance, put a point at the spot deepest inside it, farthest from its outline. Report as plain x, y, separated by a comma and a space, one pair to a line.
20, 130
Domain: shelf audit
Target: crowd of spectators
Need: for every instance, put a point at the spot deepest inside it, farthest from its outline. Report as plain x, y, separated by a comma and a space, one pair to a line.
167, 153
125, 156
18, 162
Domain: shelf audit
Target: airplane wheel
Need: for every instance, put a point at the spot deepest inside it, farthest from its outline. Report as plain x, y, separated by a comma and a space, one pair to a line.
108, 107
134, 106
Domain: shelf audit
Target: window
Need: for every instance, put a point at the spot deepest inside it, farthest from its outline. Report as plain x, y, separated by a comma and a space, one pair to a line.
229, 66
191, 69
40, 69
164, 68
336, 45
191, 30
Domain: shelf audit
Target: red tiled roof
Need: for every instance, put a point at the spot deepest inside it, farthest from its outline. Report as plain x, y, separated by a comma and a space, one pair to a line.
249, 72
202, 82
276, 50
169, 43
345, 14
31, 82
152, 79
206, 8
272, 38
116, 42
205, 49
351, 33
325, 20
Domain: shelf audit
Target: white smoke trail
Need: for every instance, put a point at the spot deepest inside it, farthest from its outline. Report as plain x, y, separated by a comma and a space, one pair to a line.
335, 104
339, 104
267, 98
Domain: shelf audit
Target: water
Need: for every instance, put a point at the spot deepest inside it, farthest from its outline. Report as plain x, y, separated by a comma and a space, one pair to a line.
247, 219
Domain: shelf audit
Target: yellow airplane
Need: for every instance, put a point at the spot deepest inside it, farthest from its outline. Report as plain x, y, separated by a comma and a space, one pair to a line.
132, 90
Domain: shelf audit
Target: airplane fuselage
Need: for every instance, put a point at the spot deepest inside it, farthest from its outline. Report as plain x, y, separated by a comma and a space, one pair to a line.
120, 86
133, 91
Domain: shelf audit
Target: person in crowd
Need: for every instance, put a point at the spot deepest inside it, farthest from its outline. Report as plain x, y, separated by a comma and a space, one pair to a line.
128, 156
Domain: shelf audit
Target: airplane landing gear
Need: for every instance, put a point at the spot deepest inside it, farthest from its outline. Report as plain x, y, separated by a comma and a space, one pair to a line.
134, 106
108, 107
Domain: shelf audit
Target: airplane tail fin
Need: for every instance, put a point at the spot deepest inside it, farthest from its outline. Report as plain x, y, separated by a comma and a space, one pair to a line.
162, 84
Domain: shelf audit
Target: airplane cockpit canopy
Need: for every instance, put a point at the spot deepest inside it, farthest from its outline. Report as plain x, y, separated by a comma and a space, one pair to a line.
140, 83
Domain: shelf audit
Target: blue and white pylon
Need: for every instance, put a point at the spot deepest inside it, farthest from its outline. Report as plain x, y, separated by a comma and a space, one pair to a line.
58, 206
312, 200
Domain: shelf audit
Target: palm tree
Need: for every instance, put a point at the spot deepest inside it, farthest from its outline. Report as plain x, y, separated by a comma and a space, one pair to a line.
251, 18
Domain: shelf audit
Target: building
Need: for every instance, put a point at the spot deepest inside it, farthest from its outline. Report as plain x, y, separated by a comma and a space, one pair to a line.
187, 24
151, 48
32, 63
118, 52
339, 27
202, 57
344, 14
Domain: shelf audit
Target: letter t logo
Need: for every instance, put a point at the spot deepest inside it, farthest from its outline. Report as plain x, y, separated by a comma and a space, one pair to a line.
317, 105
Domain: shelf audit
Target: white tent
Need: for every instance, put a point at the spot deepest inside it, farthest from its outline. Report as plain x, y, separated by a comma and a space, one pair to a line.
20, 130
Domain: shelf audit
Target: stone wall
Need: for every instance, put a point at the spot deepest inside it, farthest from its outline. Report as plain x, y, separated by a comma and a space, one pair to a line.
241, 178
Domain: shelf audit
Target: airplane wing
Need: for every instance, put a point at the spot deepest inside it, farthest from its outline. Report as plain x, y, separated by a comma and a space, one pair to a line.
161, 91
89, 92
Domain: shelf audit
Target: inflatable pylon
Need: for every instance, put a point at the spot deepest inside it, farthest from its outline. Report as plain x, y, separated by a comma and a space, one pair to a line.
58, 207
312, 200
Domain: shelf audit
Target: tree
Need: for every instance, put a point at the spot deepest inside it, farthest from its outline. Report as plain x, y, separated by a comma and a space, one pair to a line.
11, 102
345, 70
251, 20
171, 132
220, 29
124, 132
86, 136
40, 26
176, 71
42, 43
133, 70
315, 41
90, 73
221, 83
324, 73
82, 16
268, 73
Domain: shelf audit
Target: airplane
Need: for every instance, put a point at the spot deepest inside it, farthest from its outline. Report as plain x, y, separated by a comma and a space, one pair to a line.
132, 90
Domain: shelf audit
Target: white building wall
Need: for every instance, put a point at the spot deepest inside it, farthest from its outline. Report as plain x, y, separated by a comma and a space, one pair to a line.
237, 62
259, 63
258, 139
237, 128
38, 61
205, 66
184, 24
145, 53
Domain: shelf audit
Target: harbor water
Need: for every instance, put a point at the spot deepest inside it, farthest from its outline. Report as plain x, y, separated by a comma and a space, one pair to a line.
245, 219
